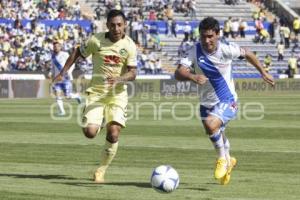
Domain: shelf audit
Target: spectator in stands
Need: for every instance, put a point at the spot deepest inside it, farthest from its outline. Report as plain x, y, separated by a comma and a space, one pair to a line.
258, 25
296, 26
176, 6
3, 64
158, 68
267, 62
13, 59
98, 10
155, 39
292, 66
184, 7
280, 49
234, 28
154, 63
187, 30
264, 35
184, 47
152, 15
77, 11
192, 9
174, 28
144, 61
136, 28
286, 35
226, 29
271, 31
168, 12
195, 34
242, 28
145, 36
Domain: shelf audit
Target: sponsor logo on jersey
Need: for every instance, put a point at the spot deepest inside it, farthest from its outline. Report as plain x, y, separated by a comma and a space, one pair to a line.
111, 59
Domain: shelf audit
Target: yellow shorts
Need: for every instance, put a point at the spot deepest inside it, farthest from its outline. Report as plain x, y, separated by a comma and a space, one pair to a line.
109, 108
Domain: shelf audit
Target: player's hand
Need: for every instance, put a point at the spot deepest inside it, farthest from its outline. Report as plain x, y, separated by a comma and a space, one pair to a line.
57, 78
268, 78
112, 81
199, 79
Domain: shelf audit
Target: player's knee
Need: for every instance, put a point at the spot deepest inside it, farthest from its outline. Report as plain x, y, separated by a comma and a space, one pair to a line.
90, 132
113, 132
212, 125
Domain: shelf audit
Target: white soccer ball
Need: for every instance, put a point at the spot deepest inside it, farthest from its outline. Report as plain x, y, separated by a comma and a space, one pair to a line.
164, 179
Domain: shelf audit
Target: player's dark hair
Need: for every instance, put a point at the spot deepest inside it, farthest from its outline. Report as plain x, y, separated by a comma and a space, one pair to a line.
209, 23
115, 13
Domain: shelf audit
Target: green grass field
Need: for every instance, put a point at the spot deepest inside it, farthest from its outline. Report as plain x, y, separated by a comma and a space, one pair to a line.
43, 158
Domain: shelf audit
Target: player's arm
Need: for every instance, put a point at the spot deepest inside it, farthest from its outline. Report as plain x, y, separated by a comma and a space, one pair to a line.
183, 73
70, 61
251, 58
130, 75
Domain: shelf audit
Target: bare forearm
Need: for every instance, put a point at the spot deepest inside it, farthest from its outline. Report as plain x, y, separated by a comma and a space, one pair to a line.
181, 74
128, 76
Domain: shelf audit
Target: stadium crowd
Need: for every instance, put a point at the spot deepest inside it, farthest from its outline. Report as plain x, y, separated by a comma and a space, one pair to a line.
28, 48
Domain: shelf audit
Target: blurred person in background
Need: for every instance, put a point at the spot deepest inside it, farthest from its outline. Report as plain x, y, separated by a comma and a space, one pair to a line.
64, 86
267, 62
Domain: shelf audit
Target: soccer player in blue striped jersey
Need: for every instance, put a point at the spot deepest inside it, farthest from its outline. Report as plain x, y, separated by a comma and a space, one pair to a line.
208, 64
64, 86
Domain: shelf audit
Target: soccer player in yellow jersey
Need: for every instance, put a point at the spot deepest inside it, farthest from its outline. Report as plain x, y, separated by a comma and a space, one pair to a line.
114, 63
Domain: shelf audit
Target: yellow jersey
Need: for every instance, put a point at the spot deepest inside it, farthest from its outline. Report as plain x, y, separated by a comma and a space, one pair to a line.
296, 24
110, 59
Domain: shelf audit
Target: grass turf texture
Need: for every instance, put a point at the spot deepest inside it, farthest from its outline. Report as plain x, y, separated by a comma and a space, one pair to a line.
42, 158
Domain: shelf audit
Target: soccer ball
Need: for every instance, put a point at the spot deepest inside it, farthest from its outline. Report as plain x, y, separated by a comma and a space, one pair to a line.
164, 179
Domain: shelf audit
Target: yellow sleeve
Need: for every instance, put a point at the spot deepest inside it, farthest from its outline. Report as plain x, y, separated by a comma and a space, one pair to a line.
89, 47
132, 55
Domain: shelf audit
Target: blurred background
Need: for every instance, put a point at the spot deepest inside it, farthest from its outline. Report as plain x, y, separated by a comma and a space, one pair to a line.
163, 31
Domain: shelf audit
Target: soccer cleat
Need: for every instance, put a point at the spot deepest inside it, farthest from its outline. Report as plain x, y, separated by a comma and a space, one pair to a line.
221, 168
225, 180
61, 114
99, 177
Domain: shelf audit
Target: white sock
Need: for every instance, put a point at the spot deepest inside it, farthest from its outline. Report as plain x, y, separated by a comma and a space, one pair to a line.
226, 147
60, 104
74, 95
217, 140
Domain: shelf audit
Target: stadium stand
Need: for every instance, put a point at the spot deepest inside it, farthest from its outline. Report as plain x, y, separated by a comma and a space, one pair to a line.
27, 48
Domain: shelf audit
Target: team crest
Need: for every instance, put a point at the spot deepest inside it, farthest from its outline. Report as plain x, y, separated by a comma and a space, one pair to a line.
123, 52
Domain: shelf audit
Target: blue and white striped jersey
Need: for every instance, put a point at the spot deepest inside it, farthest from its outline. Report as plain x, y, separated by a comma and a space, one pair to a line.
58, 62
217, 68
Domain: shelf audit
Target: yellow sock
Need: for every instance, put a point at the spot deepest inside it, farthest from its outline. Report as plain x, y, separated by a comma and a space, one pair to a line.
107, 155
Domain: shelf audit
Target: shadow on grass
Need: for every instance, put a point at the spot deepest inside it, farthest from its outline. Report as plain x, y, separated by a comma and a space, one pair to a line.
126, 184
197, 189
92, 184
39, 176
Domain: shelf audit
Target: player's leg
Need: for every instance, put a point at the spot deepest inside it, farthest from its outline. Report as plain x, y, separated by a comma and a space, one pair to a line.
93, 116
109, 151
115, 115
58, 89
232, 161
68, 92
212, 125
214, 121
226, 143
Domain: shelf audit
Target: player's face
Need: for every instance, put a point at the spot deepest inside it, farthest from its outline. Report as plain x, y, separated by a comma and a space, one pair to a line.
209, 40
56, 47
116, 27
